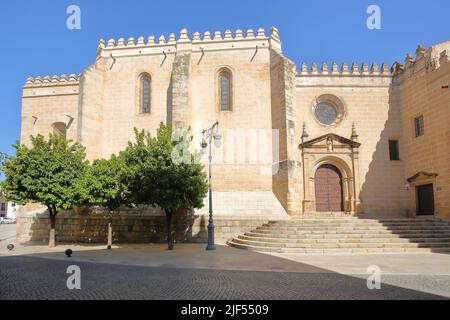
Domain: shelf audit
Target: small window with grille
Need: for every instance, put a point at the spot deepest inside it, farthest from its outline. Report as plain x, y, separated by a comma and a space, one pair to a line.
419, 126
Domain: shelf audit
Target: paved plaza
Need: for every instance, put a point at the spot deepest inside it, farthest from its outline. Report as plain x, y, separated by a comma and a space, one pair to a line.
190, 272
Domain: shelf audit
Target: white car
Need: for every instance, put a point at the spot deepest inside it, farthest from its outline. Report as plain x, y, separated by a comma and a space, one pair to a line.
4, 220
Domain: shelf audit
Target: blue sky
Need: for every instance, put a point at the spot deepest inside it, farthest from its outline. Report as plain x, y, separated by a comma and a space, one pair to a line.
35, 40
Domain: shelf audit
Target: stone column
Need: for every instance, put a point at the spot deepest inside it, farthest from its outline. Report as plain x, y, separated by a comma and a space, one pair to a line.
357, 206
308, 204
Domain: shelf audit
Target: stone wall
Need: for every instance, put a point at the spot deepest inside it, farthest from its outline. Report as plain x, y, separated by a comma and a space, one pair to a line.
46, 101
129, 226
369, 105
101, 108
421, 85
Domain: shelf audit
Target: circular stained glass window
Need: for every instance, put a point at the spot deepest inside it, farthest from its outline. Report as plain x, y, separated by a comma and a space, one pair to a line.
326, 113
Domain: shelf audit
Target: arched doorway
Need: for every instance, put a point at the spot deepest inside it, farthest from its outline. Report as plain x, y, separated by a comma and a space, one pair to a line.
328, 189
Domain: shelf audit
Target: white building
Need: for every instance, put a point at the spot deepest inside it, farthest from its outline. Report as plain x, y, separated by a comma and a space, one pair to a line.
8, 209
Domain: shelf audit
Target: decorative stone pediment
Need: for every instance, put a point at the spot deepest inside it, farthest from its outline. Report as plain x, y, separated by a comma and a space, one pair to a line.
422, 174
330, 141
336, 152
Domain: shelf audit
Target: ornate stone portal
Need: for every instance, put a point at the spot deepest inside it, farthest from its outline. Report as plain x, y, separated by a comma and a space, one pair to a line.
339, 152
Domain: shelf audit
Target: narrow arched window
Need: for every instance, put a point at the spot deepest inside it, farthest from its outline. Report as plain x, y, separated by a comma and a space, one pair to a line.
145, 93
60, 128
225, 94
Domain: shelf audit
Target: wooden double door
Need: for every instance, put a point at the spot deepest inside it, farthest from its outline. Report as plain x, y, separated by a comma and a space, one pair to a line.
328, 189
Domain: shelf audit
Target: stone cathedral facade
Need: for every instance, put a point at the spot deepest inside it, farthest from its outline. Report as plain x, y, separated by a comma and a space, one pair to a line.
361, 139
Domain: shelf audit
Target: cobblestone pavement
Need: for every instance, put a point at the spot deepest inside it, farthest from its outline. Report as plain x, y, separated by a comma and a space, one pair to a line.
25, 277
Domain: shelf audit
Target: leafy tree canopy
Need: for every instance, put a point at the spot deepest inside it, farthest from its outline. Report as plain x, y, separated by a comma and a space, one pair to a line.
158, 177
103, 184
46, 172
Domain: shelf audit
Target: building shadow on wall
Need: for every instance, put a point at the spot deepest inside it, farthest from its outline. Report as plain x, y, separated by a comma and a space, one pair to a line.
169, 103
382, 191
383, 194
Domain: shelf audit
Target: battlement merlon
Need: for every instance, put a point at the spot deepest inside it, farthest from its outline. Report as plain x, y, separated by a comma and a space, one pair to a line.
344, 70
209, 42
425, 61
50, 86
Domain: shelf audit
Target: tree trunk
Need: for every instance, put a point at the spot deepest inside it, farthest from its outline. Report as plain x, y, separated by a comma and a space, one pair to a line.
169, 230
51, 238
110, 231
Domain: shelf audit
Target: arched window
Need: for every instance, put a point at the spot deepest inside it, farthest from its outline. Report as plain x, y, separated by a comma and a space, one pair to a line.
225, 93
145, 93
60, 128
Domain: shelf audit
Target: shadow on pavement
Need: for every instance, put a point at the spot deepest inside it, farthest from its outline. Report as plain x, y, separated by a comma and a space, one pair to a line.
191, 273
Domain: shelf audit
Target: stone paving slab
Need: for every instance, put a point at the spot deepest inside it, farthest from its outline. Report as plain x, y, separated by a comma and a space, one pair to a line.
25, 277
389, 263
406, 274
157, 255
227, 258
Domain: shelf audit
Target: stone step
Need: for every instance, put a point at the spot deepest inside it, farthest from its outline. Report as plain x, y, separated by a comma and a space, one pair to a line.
345, 240
348, 231
337, 250
352, 219
342, 245
334, 218
347, 234
393, 229
352, 236
264, 242
337, 224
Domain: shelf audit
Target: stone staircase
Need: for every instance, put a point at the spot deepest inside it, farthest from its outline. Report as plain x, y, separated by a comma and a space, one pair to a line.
346, 234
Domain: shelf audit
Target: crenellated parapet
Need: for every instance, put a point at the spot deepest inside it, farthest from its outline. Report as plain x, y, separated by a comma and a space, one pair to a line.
48, 80
239, 39
51, 85
425, 61
344, 70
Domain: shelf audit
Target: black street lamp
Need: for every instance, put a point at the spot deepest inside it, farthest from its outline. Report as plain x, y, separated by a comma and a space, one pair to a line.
208, 135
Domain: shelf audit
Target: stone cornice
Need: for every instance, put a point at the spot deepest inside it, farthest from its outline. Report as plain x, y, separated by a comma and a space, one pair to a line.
52, 89
422, 174
362, 81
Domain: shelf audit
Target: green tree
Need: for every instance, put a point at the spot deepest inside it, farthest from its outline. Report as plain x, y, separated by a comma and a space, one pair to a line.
46, 173
102, 184
159, 178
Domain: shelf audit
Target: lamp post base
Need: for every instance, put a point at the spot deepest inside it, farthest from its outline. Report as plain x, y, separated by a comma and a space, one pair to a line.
211, 246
